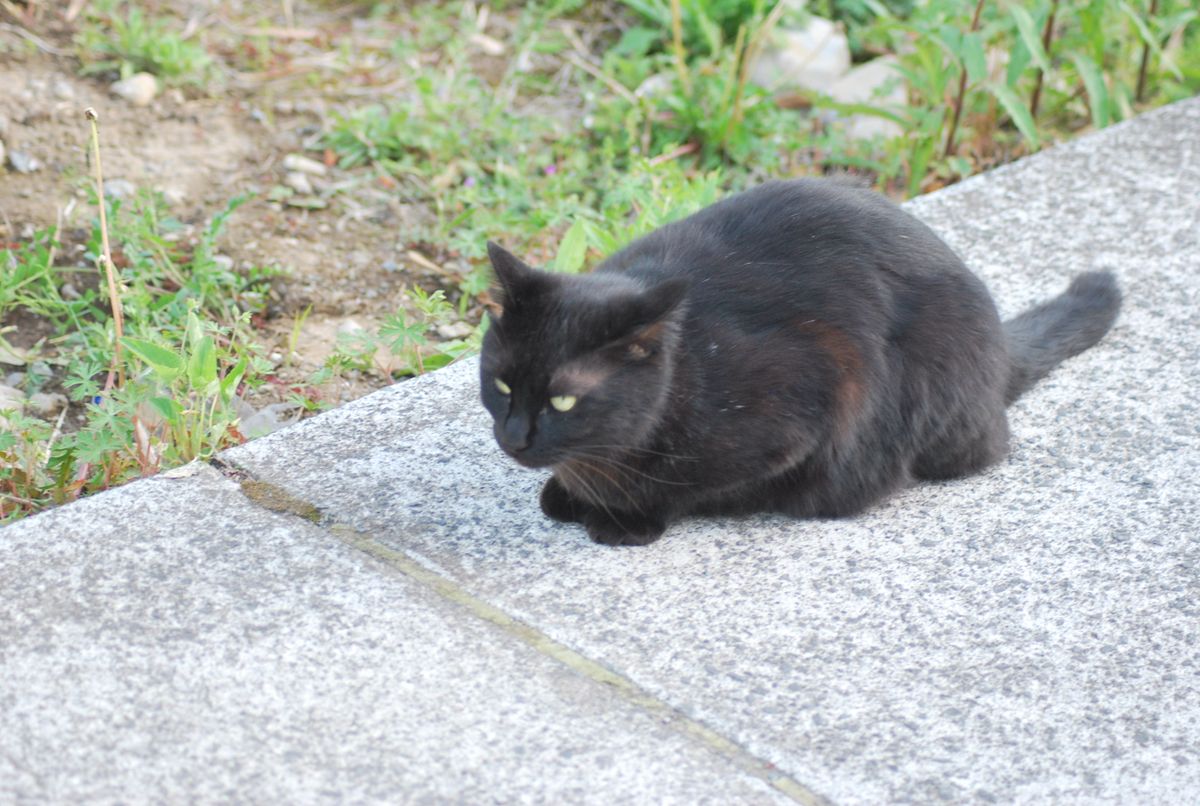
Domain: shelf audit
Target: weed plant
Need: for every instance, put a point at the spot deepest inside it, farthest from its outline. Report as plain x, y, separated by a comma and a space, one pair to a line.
119, 38
565, 154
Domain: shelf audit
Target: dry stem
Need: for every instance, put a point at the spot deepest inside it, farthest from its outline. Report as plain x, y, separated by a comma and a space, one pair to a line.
106, 258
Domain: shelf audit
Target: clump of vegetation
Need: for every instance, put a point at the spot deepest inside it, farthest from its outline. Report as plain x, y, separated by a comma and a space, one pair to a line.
156, 377
565, 132
118, 37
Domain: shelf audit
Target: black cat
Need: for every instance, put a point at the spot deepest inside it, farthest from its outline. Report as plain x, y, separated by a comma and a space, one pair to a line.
805, 347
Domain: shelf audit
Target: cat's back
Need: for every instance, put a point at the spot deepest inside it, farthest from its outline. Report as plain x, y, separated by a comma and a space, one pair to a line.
784, 233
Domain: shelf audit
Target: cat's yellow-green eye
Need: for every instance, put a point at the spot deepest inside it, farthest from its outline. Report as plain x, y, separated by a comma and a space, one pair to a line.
563, 402
502, 387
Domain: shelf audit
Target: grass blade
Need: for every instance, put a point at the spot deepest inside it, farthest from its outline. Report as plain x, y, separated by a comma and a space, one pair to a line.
1029, 36
1097, 92
1017, 111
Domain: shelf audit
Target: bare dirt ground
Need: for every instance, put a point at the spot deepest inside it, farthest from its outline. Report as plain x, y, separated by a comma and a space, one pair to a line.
202, 147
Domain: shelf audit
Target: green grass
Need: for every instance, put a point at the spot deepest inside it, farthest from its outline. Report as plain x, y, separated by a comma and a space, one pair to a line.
182, 368
563, 153
118, 37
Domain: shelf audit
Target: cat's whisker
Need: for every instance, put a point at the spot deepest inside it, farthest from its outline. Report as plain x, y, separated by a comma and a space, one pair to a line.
618, 465
596, 497
631, 449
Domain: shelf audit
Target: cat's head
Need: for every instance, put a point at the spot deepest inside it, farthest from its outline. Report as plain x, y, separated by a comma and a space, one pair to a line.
577, 365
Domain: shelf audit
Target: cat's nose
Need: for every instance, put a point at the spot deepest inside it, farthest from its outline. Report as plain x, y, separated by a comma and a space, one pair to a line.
514, 435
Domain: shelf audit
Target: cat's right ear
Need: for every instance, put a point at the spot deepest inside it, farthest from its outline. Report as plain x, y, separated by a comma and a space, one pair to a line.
514, 278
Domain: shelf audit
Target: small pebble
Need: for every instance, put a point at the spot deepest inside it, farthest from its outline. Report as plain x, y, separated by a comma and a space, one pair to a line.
224, 262
303, 164
119, 188
14, 379
63, 91
23, 163
298, 182
47, 404
454, 330
11, 399
68, 291
139, 89
487, 44
172, 195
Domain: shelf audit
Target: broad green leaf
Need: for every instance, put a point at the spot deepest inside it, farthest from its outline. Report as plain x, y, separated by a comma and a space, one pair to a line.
919, 159
1097, 92
1029, 36
161, 360
233, 377
636, 42
1018, 60
825, 102
1091, 21
1018, 112
202, 366
973, 57
168, 408
572, 250
195, 331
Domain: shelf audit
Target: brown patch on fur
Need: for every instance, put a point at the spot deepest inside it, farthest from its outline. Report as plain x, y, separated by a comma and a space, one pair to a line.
846, 358
580, 377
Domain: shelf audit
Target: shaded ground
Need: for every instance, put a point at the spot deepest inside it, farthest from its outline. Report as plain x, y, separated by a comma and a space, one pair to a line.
348, 261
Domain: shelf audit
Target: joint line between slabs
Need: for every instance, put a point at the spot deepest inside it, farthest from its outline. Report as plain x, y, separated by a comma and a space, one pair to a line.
275, 499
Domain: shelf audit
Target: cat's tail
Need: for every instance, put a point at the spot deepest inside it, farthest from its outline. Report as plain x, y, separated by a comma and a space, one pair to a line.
1044, 336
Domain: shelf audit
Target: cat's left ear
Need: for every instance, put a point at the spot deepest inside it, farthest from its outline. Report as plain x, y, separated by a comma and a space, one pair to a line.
652, 320
514, 277
658, 301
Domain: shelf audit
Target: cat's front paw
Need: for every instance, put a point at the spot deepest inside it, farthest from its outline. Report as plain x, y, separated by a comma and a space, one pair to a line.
624, 530
558, 504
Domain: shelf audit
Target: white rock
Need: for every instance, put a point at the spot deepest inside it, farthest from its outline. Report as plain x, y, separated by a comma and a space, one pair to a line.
813, 57
23, 163
455, 330
172, 195
303, 164
485, 43
119, 188
46, 404
298, 182
878, 83
12, 400
139, 89
63, 90
13, 356
654, 86
269, 419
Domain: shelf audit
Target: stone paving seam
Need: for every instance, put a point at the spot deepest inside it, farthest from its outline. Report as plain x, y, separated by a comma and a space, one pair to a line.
275, 499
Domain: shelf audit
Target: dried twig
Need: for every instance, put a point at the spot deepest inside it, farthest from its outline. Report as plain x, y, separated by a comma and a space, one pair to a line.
41, 44
675, 153
685, 80
1047, 35
962, 90
609, 81
1141, 82
74, 9
115, 369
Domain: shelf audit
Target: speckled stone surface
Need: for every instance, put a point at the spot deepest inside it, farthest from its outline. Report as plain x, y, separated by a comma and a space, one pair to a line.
170, 642
1028, 635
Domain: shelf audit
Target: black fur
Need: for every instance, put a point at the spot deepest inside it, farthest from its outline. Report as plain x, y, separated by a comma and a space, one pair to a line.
805, 347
